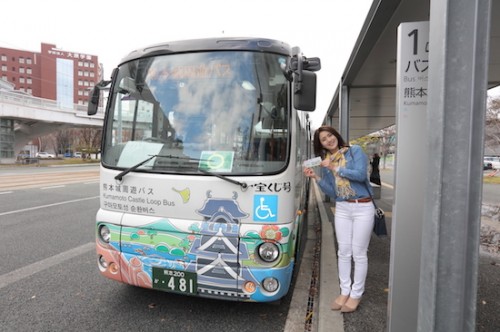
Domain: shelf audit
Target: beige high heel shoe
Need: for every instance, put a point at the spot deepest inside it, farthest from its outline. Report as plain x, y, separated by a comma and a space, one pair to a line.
339, 302
350, 305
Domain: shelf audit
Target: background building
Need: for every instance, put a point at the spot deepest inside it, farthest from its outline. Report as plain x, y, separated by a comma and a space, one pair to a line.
55, 74
64, 77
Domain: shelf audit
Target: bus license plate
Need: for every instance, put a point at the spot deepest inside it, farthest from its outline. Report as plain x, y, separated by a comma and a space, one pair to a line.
175, 281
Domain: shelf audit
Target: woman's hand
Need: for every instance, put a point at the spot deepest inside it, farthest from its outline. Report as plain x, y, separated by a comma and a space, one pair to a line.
330, 165
326, 163
309, 172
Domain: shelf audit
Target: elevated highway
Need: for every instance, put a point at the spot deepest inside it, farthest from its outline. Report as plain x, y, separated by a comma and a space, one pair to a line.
35, 117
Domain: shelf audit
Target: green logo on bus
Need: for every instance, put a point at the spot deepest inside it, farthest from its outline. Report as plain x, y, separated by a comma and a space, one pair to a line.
220, 161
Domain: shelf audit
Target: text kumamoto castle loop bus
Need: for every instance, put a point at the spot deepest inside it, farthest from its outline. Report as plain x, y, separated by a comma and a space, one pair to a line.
201, 174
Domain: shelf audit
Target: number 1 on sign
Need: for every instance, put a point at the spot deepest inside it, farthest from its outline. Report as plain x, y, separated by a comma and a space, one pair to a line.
414, 33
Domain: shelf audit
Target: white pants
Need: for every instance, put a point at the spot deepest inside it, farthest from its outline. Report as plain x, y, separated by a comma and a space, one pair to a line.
353, 229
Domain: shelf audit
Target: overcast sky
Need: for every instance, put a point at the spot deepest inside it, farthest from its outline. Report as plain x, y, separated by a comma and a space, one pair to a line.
110, 29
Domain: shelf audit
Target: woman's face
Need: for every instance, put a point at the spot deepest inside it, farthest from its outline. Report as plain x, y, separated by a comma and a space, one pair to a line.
329, 141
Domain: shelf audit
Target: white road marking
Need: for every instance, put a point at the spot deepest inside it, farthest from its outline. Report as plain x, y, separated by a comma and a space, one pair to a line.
47, 205
52, 187
387, 185
29, 270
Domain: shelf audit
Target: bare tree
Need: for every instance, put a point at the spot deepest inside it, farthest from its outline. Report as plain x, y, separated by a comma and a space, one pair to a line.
383, 142
492, 126
87, 140
90, 141
63, 140
50, 140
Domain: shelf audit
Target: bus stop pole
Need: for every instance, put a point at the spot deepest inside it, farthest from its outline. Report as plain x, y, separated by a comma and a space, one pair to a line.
458, 64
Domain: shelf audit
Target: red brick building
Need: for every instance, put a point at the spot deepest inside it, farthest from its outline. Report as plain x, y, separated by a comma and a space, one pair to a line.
55, 74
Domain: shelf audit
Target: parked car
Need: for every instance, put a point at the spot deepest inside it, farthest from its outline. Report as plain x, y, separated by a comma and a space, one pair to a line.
44, 155
77, 155
487, 165
24, 154
494, 161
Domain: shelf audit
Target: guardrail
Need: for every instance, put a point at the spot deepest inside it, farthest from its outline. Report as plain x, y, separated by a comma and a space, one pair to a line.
19, 98
28, 161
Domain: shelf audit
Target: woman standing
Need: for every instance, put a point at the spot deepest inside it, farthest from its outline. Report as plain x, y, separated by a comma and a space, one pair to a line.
344, 178
375, 172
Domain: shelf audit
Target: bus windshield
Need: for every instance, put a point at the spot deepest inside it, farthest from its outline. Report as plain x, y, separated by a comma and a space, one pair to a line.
220, 111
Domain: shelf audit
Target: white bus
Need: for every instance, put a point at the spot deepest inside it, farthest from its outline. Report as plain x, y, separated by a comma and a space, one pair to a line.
201, 185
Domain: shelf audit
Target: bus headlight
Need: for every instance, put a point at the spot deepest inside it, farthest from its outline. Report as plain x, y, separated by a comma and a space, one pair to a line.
104, 233
268, 252
102, 262
270, 284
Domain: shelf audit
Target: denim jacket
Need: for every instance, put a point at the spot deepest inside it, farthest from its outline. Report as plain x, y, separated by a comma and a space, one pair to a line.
356, 171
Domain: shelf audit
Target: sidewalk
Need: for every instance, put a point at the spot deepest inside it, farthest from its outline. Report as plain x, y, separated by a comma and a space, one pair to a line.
372, 311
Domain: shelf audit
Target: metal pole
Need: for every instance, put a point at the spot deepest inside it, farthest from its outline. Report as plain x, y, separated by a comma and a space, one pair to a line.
344, 112
458, 60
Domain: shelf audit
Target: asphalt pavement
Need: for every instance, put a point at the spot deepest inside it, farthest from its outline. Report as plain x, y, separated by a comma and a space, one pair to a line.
372, 311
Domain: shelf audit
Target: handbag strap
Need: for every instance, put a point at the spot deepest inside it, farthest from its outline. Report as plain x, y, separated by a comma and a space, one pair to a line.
369, 193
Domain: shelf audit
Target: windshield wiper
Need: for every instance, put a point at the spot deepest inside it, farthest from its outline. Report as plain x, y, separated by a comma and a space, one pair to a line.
243, 185
120, 176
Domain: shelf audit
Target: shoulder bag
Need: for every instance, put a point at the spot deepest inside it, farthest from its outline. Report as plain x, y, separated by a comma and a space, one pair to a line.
379, 226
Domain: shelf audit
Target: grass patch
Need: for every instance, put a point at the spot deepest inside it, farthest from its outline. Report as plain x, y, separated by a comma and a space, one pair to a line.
56, 161
491, 179
70, 161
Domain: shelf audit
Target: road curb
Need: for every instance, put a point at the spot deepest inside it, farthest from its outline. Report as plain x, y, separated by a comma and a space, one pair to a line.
298, 309
329, 288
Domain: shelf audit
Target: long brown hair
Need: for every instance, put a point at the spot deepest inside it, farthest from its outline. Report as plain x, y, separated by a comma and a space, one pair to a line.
319, 150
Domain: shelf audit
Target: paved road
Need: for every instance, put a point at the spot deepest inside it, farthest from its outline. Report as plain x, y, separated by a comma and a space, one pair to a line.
49, 279
35, 177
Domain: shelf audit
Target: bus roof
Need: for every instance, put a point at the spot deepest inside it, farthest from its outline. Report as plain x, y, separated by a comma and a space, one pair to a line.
211, 44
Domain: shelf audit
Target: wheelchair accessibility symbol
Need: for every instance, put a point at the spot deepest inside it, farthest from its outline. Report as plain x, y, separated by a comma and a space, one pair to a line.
265, 208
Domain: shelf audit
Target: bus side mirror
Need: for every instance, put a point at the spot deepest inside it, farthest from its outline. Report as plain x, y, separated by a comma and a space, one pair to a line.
96, 94
304, 98
94, 101
311, 64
